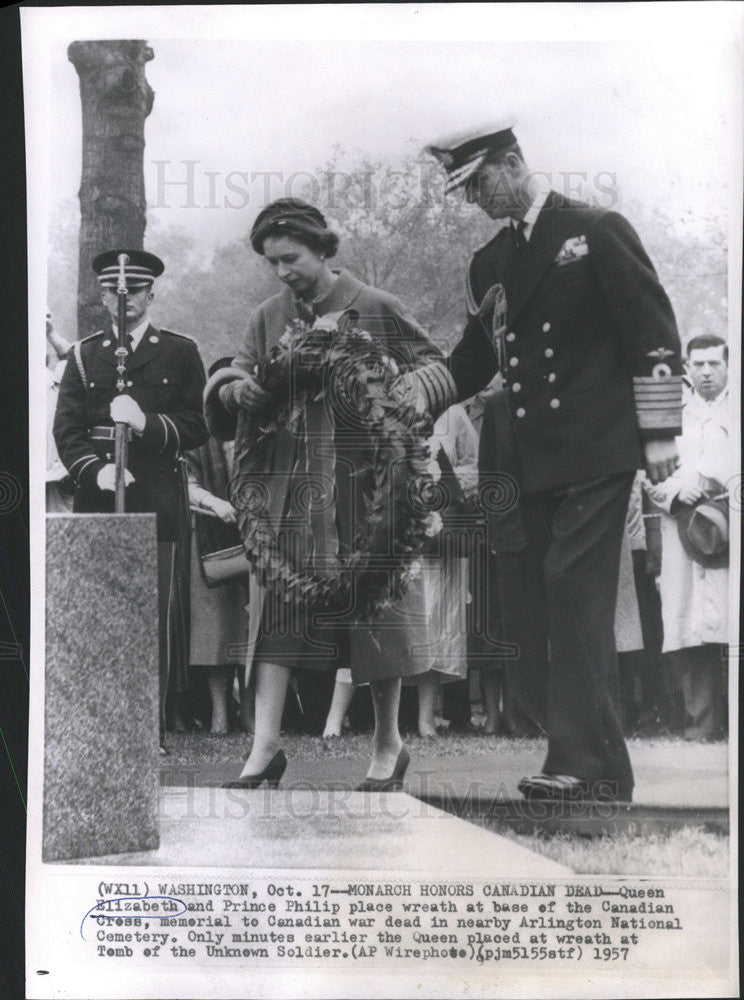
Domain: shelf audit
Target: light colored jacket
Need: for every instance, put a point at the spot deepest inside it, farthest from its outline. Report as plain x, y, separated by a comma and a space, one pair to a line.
694, 598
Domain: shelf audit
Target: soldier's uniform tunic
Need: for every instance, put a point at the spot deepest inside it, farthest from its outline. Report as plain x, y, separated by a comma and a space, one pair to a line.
165, 376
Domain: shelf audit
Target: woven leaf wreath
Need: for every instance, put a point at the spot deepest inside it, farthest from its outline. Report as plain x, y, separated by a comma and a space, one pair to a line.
348, 370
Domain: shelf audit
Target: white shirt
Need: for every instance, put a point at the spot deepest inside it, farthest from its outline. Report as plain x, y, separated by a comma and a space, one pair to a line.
137, 333
541, 193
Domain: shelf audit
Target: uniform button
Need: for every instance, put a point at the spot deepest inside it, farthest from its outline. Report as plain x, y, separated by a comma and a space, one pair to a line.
516, 387
546, 327
555, 403
165, 379
521, 412
92, 384
514, 362
511, 337
549, 352
129, 385
551, 377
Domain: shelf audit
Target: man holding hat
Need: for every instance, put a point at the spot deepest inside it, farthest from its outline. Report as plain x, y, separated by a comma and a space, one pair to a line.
162, 406
694, 541
566, 304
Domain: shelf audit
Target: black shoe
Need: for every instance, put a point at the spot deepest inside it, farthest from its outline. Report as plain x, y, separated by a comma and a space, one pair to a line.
271, 774
567, 788
556, 787
392, 784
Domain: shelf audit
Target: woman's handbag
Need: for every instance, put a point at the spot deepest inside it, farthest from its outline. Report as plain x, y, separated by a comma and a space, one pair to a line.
225, 566
221, 562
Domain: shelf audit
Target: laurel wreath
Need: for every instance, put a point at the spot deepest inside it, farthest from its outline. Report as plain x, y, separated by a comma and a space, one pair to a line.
350, 371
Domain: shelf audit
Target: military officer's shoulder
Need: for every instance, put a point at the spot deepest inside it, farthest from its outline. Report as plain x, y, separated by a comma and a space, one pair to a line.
580, 211
178, 341
91, 337
91, 342
593, 215
179, 336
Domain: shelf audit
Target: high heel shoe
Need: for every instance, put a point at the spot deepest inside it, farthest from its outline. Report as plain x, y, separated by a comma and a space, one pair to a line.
392, 784
271, 774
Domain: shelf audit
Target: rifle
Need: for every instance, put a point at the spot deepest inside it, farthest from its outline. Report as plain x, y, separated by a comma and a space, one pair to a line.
121, 436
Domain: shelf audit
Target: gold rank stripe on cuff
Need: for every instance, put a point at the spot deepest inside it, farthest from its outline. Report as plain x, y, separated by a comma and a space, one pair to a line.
658, 390
438, 385
653, 402
658, 402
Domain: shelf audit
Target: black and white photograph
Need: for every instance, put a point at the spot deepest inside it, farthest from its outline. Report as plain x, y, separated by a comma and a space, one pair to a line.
385, 500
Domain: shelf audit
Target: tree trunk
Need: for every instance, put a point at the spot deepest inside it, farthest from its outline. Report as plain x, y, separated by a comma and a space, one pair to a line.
116, 99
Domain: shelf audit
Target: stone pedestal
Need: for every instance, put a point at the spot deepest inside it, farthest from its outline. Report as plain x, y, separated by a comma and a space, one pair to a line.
101, 685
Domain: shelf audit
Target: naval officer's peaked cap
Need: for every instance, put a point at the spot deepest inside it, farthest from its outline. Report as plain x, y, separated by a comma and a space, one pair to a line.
140, 269
462, 153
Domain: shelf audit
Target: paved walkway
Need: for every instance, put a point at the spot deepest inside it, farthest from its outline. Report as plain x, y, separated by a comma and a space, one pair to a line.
317, 820
302, 828
669, 773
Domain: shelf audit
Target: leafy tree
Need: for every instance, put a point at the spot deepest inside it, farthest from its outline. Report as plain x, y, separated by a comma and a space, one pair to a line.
398, 232
116, 99
690, 255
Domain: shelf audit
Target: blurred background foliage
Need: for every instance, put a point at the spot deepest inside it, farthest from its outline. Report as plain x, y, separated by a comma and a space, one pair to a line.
397, 232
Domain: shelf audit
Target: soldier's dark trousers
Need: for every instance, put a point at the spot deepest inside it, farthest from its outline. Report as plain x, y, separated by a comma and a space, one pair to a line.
167, 599
173, 625
558, 604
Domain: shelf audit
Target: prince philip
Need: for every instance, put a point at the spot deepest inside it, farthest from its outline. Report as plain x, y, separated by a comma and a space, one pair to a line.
566, 304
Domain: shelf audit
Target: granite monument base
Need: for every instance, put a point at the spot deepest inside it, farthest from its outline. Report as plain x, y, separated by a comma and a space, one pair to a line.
101, 685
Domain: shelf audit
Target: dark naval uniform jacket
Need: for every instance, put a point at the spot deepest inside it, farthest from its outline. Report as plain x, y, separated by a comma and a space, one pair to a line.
165, 376
585, 337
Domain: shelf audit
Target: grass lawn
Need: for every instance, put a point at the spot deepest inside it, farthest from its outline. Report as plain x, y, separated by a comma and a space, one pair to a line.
703, 854
689, 851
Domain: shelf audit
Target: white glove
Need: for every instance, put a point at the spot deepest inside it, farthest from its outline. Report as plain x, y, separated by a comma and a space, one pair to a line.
124, 410
106, 478
690, 494
57, 341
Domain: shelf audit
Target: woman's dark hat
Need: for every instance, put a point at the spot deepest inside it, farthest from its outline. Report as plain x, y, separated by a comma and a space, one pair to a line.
704, 531
141, 271
288, 217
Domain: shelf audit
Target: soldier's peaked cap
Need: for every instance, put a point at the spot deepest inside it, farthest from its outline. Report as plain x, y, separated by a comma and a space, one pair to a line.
462, 153
141, 268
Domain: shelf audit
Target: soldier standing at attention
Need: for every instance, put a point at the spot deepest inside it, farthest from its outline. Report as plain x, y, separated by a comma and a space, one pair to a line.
162, 406
566, 304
